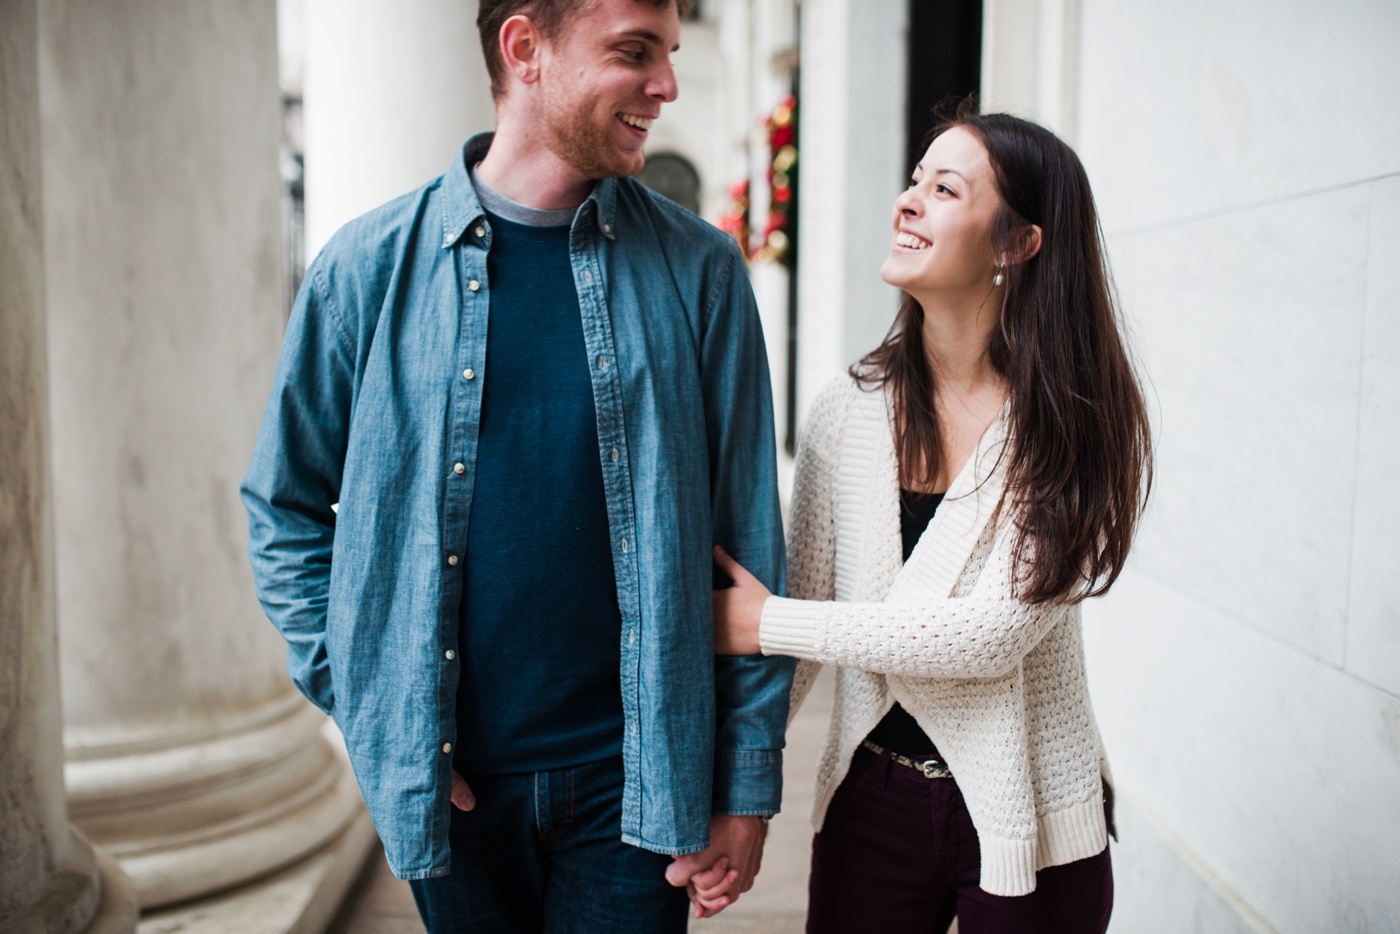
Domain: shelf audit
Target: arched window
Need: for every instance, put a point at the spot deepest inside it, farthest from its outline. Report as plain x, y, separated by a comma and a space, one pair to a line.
674, 176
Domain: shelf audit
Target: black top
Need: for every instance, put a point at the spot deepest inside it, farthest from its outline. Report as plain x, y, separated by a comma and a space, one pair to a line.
898, 731
540, 625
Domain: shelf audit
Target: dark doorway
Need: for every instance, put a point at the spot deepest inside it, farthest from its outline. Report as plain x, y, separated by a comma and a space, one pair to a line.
945, 60
675, 177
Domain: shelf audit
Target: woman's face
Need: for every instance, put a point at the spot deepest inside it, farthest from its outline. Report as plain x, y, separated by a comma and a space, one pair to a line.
940, 246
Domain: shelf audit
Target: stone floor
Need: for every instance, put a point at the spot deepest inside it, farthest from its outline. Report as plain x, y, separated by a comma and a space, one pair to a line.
381, 904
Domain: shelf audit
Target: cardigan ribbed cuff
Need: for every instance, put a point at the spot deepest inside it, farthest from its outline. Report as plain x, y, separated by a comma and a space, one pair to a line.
789, 627
1008, 866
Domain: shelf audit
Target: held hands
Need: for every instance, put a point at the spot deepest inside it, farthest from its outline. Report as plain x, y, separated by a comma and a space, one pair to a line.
715, 878
738, 609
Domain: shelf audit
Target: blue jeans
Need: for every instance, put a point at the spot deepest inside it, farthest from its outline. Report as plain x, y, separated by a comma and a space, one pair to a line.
542, 852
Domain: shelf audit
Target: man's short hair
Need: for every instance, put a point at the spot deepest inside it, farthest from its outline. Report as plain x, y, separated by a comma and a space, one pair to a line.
549, 16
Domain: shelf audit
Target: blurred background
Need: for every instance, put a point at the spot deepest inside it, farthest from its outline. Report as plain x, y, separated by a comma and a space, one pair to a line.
167, 170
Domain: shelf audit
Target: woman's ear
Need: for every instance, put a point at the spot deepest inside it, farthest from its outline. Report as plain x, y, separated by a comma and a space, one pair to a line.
1025, 244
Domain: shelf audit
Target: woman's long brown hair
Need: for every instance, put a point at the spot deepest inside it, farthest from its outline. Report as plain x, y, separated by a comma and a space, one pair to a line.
1079, 465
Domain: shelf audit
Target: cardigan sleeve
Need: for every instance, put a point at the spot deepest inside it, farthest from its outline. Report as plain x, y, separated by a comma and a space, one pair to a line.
811, 516
984, 634
812, 520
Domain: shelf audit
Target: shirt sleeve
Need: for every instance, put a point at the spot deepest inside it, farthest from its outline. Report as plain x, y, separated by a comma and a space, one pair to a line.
294, 479
751, 702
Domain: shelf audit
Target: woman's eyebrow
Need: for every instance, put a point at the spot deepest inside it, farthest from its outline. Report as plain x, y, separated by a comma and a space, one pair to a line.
951, 172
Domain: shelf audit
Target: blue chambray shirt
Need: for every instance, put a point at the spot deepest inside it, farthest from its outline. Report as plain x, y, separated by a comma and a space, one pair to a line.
375, 407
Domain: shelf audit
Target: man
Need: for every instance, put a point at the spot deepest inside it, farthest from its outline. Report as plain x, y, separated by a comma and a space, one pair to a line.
515, 409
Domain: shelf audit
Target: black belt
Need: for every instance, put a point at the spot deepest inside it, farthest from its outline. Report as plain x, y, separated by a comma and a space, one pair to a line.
929, 768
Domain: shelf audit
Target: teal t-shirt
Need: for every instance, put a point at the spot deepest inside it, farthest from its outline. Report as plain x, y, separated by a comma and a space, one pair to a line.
540, 624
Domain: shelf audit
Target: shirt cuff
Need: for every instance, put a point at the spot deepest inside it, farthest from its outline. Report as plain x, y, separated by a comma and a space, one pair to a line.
789, 627
748, 781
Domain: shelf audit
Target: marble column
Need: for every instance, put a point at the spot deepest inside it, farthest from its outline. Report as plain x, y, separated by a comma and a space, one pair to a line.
51, 880
391, 91
190, 758
852, 169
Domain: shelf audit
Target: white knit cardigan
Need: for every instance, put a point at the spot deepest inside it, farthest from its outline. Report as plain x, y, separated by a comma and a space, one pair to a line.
996, 683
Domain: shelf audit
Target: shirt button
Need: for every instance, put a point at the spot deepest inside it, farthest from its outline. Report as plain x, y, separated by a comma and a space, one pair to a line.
614, 455
459, 468
446, 747
474, 286
607, 228
469, 373
452, 560
449, 654
631, 635
602, 362
588, 276
624, 546
480, 231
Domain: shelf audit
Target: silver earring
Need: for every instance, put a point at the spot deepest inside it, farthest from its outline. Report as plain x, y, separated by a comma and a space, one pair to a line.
999, 278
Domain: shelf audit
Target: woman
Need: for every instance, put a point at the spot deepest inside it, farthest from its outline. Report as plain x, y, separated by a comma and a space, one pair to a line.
957, 495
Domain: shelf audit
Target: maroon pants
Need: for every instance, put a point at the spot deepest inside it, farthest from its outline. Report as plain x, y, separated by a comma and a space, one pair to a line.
897, 852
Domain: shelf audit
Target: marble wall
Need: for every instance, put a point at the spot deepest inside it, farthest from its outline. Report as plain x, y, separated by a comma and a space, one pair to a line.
1246, 672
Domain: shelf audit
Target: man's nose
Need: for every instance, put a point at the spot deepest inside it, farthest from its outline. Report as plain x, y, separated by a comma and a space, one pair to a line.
662, 86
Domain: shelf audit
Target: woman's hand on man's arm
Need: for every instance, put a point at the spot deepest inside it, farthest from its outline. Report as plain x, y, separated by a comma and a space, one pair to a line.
738, 609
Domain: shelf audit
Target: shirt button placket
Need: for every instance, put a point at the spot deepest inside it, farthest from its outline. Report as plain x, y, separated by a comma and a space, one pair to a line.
459, 468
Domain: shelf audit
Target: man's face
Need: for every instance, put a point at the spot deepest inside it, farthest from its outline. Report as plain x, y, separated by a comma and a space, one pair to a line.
603, 81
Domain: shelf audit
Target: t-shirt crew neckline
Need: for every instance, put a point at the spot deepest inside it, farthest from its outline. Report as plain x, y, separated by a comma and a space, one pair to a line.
493, 202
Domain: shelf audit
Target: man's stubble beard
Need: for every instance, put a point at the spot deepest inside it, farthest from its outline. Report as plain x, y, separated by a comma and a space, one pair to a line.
578, 140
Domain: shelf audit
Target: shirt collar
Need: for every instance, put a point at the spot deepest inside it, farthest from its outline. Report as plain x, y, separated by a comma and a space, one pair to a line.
461, 209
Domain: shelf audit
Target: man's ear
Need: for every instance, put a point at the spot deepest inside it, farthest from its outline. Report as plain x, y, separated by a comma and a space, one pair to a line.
1025, 244
520, 48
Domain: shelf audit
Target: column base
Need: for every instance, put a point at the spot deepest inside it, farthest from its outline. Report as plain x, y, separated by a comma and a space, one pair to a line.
302, 899
117, 912
187, 817
91, 895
